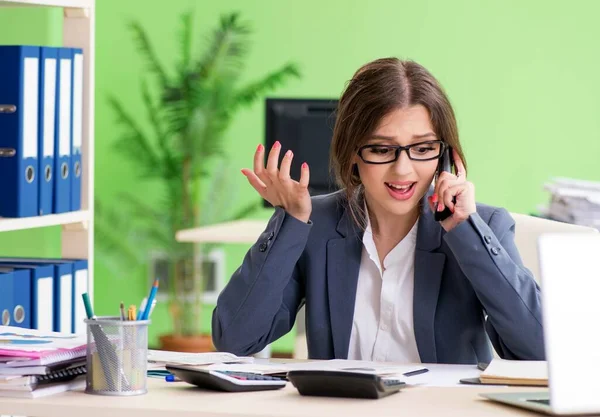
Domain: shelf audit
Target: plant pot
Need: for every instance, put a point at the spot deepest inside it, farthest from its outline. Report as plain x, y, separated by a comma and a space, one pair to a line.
197, 343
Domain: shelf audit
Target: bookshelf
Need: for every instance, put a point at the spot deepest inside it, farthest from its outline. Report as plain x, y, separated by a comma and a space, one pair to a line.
77, 228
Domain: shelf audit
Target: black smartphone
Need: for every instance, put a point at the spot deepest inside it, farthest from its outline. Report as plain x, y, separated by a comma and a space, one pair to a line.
446, 163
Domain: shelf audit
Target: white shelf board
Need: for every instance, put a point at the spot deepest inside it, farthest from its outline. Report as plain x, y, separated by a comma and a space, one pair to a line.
239, 231
83, 4
9, 224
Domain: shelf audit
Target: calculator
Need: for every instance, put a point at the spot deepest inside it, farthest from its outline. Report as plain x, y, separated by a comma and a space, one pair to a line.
230, 381
329, 383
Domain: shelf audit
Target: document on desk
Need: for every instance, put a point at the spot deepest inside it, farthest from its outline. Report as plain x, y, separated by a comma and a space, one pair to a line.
185, 358
378, 368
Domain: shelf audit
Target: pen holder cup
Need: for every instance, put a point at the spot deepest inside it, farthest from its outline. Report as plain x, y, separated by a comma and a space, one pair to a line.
117, 356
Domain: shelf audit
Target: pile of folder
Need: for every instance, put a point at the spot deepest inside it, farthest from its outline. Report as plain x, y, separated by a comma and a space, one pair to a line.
35, 363
573, 201
43, 294
41, 130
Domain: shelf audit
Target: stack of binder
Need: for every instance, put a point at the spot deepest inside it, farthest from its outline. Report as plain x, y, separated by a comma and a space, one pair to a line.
41, 125
43, 294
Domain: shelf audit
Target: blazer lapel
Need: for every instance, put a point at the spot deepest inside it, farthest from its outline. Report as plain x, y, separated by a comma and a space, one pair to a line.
343, 264
428, 277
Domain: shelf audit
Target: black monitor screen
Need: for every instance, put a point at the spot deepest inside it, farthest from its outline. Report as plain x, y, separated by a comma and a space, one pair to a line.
306, 127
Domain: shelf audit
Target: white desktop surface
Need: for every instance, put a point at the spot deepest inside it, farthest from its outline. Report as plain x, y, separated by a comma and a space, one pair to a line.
178, 399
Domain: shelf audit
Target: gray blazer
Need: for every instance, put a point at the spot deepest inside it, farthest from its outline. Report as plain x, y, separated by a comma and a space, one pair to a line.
470, 287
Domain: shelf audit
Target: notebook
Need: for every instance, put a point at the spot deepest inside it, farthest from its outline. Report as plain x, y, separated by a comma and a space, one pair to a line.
32, 347
40, 369
506, 372
32, 382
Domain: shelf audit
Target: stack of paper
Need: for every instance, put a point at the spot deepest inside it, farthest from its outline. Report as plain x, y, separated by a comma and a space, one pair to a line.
506, 372
574, 201
162, 357
271, 368
34, 363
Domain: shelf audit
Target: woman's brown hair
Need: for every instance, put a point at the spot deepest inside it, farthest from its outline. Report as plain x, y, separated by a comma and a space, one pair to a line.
376, 89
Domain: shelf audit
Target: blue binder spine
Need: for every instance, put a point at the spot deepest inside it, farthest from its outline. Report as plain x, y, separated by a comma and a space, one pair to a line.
42, 297
19, 72
42, 277
20, 306
77, 129
80, 284
6, 297
62, 149
47, 118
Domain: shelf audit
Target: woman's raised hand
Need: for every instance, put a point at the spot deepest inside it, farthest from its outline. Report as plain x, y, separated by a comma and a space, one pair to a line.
275, 185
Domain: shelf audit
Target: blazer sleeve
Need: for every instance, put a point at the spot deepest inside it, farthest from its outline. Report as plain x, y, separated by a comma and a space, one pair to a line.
259, 303
489, 258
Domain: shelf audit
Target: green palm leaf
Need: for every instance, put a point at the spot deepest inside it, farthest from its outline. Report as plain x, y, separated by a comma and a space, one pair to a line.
185, 39
228, 48
134, 143
250, 93
148, 53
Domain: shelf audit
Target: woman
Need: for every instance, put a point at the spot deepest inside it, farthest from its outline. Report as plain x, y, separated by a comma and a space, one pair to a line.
380, 278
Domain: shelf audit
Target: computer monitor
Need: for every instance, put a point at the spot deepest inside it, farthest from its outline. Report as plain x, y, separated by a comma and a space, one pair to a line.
306, 127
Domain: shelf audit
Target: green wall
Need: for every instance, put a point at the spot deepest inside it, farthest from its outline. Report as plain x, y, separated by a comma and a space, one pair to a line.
521, 75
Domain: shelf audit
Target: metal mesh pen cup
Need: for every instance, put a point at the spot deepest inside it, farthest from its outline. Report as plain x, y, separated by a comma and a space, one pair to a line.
117, 354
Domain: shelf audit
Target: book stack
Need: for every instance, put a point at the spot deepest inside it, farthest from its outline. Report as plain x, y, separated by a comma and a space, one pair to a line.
573, 201
36, 364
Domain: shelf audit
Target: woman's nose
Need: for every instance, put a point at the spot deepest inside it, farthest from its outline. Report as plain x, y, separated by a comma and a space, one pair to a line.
403, 165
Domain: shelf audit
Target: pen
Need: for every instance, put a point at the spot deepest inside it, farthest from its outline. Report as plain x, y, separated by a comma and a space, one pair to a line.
172, 378
150, 300
88, 306
416, 372
131, 312
122, 308
142, 308
152, 307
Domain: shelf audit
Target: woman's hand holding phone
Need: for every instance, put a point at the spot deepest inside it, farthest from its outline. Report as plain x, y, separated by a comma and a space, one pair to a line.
275, 185
449, 187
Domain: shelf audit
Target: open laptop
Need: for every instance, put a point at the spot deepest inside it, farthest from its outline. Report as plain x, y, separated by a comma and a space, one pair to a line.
570, 283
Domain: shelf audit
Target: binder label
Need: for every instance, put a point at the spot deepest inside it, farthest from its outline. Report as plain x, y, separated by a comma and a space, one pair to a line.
49, 106
30, 108
77, 102
64, 134
45, 304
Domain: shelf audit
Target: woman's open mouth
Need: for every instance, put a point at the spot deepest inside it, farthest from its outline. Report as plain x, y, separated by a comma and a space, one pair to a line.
401, 191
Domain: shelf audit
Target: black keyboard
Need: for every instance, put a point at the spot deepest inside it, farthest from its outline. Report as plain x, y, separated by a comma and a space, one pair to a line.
545, 402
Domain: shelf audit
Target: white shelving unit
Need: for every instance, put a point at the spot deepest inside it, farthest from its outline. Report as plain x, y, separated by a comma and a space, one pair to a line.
77, 227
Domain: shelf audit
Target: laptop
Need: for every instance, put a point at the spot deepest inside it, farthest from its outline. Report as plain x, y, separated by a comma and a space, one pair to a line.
570, 283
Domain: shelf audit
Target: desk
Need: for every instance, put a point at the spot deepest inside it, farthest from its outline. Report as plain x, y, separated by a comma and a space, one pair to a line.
182, 400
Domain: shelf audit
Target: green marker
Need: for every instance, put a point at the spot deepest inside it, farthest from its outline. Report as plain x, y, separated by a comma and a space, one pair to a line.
88, 306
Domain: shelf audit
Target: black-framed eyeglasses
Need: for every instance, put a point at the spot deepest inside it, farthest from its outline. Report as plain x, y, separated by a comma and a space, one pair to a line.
386, 154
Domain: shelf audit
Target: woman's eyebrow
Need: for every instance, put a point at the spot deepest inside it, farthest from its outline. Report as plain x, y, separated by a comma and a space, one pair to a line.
420, 136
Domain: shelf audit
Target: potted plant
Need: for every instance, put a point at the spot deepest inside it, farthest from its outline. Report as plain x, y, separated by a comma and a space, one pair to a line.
182, 151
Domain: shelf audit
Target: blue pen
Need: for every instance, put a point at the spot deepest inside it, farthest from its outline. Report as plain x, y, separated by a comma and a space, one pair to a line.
142, 309
150, 300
